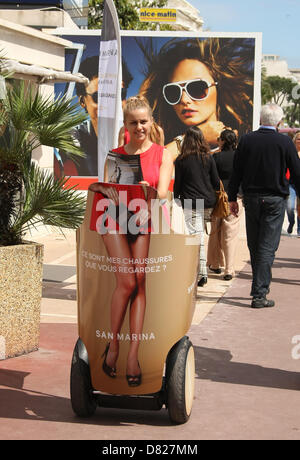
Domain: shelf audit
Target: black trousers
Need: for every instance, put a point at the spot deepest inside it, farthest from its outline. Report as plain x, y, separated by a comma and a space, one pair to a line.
264, 219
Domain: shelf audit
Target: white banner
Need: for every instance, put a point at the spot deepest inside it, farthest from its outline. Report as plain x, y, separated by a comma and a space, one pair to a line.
109, 86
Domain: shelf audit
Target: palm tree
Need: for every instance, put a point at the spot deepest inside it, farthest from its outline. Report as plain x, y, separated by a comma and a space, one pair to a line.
30, 195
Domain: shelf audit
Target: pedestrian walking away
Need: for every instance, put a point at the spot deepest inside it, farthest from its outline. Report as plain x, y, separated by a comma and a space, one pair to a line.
224, 232
260, 165
292, 200
196, 179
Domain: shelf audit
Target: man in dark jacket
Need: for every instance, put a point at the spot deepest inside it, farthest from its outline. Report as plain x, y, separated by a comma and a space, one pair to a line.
260, 166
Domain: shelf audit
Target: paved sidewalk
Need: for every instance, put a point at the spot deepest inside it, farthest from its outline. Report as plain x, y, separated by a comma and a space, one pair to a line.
247, 374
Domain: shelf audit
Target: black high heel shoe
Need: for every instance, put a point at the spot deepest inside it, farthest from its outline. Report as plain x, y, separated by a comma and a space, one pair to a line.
202, 281
218, 271
134, 380
110, 371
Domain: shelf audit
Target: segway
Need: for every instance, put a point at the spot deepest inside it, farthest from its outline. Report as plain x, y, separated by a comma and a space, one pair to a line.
166, 355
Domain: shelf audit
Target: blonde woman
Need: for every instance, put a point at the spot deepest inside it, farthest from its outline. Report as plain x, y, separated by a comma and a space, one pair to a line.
157, 165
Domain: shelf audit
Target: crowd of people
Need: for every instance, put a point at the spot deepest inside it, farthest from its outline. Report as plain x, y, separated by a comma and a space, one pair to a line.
203, 124
186, 92
254, 174
199, 170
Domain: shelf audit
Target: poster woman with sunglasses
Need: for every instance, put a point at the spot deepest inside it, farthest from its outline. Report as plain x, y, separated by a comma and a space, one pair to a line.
205, 83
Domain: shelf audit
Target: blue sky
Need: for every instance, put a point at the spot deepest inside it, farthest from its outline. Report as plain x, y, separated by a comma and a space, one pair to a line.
277, 20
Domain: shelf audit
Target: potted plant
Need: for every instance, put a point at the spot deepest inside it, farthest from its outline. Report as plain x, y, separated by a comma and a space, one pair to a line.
30, 195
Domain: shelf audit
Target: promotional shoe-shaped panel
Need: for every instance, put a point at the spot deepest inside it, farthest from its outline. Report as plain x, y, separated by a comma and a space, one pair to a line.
136, 292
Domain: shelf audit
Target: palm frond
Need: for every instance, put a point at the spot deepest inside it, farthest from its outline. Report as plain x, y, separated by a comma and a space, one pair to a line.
15, 147
49, 201
27, 121
43, 120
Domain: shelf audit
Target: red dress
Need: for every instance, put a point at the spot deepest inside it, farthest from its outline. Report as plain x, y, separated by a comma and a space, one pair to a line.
150, 162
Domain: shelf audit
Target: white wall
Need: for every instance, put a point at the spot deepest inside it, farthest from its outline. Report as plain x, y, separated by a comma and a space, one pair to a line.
30, 46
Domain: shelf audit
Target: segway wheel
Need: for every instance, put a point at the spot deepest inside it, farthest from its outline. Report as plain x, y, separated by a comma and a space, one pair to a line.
83, 401
180, 381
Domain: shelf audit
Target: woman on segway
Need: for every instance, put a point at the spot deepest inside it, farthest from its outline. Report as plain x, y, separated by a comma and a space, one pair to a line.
156, 164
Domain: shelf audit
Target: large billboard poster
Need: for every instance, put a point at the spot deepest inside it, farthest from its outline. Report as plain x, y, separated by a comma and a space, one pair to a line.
211, 81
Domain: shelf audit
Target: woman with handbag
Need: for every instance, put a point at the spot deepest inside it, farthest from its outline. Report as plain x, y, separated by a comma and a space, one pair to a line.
196, 183
224, 231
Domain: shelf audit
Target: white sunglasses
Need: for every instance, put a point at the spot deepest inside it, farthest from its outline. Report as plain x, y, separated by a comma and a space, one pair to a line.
196, 89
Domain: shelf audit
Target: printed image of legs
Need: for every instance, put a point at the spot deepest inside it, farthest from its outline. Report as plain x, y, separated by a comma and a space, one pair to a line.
130, 287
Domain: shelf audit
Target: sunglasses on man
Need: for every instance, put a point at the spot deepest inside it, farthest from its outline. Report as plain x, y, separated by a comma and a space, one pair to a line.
196, 89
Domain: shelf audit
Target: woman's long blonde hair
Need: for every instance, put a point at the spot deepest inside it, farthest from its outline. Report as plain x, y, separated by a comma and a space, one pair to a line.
135, 103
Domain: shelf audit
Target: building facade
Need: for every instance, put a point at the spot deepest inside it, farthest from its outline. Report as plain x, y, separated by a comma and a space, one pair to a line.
188, 17
274, 65
32, 54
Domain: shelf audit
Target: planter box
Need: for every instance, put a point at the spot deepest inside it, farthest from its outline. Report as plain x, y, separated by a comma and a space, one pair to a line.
21, 271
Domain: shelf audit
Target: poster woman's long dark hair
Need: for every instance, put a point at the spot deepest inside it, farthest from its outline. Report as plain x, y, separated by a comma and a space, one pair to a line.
230, 61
